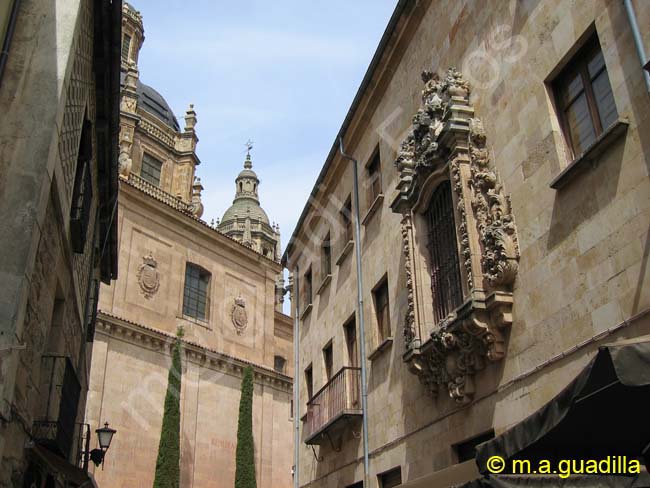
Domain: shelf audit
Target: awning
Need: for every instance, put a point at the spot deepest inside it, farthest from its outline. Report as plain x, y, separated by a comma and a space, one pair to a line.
56, 464
604, 412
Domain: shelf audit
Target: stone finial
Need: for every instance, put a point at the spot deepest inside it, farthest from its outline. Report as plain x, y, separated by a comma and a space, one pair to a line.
190, 119
196, 205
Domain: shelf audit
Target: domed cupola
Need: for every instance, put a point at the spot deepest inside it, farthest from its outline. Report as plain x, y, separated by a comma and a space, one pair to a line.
245, 220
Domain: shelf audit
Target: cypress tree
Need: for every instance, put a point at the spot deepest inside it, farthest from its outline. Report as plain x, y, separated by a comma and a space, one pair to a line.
245, 463
169, 449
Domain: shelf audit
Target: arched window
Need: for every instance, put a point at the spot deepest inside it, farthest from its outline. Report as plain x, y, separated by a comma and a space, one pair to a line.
443, 251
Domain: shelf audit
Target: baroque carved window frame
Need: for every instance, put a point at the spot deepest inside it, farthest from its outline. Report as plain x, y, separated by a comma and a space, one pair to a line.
447, 141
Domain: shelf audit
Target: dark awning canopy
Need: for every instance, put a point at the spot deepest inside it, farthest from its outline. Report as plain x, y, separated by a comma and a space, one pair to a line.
604, 412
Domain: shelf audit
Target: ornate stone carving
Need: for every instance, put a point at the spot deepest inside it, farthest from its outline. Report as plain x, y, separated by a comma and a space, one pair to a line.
148, 276
445, 137
125, 163
239, 315
196, 206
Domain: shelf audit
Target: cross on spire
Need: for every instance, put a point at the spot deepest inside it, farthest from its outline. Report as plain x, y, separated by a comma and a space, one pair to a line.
248, 164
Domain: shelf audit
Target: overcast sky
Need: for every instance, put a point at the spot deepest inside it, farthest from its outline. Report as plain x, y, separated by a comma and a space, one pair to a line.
282, 73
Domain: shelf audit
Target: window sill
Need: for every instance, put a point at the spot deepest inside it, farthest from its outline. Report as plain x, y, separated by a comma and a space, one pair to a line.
324, 283
380, 349
346, 250
598, 147
373, 209
306, 311
202, 323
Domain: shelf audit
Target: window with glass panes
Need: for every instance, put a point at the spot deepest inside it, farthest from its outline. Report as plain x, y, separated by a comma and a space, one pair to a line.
126, 46
308, 287
328, 361
150, 169
584, 98
195, 296
374, 178
382, 310
326, 257
346, 220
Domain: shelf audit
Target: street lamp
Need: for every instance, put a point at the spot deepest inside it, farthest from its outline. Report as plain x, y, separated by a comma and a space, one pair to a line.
105, 436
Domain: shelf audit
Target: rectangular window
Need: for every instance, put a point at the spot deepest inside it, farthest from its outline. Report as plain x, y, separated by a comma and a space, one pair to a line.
326, 257
443, 250
126, 46
382, 310
150, 169
308, 287
279, 363
309, 381
390, 478
466, 450
350, 329
328, 361
82, 192
195, 296
584, 98
346, 220
374, 178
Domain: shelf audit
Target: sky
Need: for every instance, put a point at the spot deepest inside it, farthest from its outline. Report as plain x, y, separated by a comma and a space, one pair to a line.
280, 73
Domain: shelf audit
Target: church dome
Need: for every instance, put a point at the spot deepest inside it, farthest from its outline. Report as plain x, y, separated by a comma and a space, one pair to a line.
154, 103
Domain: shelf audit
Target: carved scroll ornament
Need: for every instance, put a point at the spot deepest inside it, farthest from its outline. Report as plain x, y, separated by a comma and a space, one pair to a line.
445, 134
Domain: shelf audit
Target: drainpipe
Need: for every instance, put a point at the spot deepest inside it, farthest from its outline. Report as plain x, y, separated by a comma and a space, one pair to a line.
362, 334
296, 379
638, 42
6, 42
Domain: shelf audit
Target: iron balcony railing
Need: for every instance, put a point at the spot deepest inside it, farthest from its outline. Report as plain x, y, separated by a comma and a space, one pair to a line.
55, 424
339, 398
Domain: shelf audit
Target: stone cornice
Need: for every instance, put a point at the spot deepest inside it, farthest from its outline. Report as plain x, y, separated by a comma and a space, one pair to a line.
159, 341
208, 228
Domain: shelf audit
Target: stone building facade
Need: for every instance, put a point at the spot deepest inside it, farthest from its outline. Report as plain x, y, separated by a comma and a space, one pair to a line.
503, 158
58, 188
178, 271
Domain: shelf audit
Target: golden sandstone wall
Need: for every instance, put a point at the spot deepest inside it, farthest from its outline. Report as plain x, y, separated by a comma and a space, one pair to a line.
583, 249
135, 330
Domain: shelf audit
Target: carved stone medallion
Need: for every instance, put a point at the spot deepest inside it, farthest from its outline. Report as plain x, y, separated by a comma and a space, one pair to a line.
239, 315
148, 276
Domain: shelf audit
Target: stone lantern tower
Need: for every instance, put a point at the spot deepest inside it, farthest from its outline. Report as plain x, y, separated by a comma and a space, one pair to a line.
245, 220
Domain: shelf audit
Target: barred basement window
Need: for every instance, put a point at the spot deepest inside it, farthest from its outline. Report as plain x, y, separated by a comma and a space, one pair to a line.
126, 47
150, 169
195, 296
445, 271
584, 98
82, 193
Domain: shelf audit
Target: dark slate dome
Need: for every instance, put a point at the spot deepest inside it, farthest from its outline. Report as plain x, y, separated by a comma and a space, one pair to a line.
153, 102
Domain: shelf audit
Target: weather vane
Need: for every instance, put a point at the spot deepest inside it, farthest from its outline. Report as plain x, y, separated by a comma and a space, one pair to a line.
249, 146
